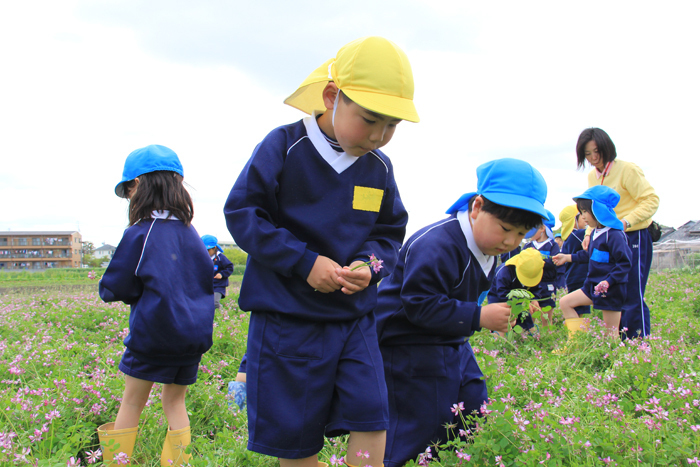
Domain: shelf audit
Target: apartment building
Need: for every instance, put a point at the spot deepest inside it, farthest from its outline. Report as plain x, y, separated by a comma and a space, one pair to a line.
40, 250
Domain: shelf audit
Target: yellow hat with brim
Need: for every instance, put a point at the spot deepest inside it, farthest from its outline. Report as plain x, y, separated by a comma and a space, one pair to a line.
372, 71
529, 266
567, 217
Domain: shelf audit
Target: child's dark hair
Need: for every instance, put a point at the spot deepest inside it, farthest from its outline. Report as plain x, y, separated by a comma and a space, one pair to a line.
606, 148
586, 205
513, 216
159, 191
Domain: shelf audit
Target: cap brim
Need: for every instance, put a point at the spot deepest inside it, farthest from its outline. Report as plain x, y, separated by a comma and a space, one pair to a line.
529, 281
391, 106
518, 202
119, 190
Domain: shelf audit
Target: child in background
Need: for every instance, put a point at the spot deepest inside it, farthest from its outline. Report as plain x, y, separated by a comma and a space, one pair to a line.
608, 257
430, 304
573, 230
314, 201
522, 271
542, 240
162, 270
222, 268
237, 389
559, 240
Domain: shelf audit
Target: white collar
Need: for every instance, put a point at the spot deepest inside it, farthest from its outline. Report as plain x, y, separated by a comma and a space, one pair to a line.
538, 244
598, 232
485, 261
162, 215
338, 161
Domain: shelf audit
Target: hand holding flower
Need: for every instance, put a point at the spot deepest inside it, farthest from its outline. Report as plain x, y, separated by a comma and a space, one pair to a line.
354, 278
323, 276
601, 288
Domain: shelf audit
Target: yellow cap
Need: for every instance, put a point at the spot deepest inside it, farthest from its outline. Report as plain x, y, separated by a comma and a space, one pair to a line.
372, 71
529, 266
567, 217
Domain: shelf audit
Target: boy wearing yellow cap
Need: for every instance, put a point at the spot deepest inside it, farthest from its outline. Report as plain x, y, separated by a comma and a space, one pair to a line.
432, 302
522, 271
314, 202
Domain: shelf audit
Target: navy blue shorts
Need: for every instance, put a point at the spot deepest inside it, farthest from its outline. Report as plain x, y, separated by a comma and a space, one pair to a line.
423, 382
308, 379
182, 375
612, 301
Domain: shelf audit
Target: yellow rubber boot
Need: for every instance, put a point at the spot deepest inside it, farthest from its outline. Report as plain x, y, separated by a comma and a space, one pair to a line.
573, 325
114, 442
174, 447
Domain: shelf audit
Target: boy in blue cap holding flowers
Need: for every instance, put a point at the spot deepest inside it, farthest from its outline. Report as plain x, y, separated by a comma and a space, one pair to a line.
609, 261
431, 304
223, 267
314, 203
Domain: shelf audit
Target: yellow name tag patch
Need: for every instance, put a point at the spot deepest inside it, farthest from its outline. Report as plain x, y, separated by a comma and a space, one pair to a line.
367, 199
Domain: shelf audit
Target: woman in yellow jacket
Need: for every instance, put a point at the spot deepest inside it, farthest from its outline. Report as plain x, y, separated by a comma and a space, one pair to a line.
638, 203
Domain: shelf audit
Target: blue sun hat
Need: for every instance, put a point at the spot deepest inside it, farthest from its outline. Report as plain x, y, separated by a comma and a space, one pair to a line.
604, 201
146, 160
548, 225
211, 241
508, 182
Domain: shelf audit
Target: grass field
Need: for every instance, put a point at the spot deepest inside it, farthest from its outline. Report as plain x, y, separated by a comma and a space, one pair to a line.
604, 403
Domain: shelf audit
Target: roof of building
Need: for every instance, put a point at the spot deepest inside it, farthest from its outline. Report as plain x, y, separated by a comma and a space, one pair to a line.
106, 247
688, 232
14, 233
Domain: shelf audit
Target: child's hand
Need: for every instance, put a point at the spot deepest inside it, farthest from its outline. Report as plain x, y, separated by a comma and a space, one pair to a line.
218, 275
534, 306
354, 281
495, 317
323, 276
560, 259
585, 242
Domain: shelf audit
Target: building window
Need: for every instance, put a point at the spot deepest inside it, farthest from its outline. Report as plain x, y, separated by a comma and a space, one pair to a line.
36, 241
20, 241
3, 241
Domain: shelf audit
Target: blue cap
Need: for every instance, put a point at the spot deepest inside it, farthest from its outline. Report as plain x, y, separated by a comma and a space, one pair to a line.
211, 241
557, 235
508, 182
604, 201
146, 160
550, 220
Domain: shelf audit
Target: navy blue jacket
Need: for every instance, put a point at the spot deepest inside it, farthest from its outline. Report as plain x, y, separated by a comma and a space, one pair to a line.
289, 205
609, 258
162, 269
575, 272
431, 297
222, 266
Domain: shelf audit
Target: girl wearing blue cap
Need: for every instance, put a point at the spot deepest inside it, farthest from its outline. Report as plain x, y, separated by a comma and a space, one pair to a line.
609, 261
223, 267
162, 270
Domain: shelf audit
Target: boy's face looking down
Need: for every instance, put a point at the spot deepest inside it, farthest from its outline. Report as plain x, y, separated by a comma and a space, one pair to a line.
492, 235
357, 130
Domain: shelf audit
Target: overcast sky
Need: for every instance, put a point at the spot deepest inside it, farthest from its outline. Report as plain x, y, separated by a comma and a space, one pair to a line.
86, 82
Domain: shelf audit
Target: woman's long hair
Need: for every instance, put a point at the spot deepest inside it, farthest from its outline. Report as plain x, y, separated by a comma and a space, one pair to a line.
159, 191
